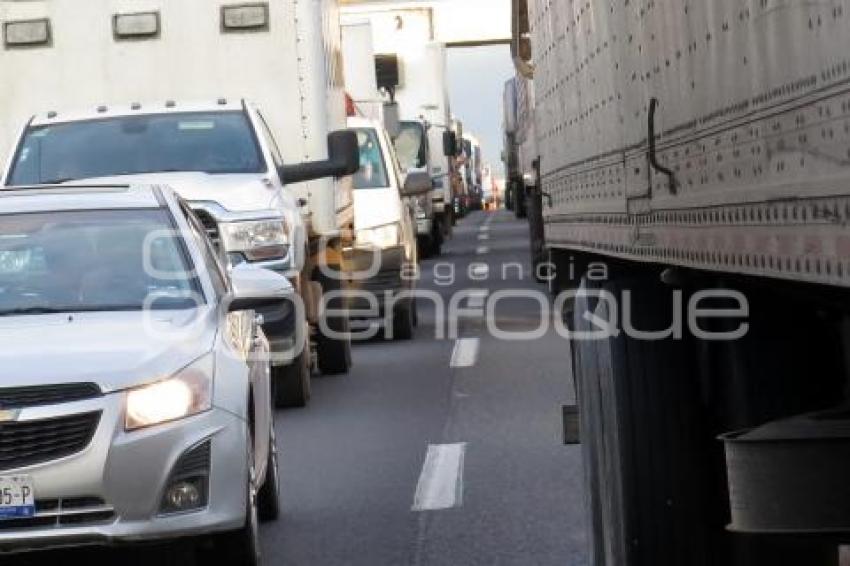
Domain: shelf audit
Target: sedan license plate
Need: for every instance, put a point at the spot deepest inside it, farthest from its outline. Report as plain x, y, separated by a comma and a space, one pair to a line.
17, 497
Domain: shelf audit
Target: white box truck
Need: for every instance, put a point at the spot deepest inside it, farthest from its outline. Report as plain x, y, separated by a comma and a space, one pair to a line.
225, 101
693, 164
411, 71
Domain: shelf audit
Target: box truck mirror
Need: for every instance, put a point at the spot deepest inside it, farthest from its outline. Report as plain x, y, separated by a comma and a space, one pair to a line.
343, 159
449, 143
417, 183
392, 122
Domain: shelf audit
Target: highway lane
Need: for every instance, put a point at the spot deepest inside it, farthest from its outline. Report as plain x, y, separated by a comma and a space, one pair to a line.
441, 451
353, 461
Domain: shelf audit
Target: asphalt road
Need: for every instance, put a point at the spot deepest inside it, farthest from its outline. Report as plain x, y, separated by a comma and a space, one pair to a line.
441, 451
352, 461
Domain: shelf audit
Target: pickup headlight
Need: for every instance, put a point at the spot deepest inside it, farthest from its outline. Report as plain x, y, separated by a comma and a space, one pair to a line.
386, 236
185, 394
258, 240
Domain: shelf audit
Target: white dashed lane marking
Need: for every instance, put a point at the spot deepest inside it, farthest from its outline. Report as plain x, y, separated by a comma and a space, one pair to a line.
465, 353
440, 483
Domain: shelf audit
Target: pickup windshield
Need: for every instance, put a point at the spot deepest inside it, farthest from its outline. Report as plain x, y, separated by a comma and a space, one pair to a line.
410, 146
102, 260
211, 142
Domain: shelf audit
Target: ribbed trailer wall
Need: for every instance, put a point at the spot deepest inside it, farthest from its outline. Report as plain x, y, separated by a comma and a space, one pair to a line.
753, 120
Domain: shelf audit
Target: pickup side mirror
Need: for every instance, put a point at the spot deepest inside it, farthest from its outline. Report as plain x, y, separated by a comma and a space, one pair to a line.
343, 159
417, 183
449, 143
255, 288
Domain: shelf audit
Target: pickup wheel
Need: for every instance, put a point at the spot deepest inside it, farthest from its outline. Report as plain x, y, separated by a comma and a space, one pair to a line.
647, 453
292, 382
334, 353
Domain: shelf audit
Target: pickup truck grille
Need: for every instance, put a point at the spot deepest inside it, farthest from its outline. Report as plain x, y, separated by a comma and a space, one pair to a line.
25, 443
73, 511
33, 396
210, 225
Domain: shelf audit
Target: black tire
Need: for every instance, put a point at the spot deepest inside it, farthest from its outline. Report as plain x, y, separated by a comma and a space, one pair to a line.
292, 382
334, 354
403, 320
646, 452
241, 547
268, 497
436, 247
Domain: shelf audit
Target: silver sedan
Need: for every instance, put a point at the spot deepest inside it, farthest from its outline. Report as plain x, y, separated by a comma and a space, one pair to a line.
135, 399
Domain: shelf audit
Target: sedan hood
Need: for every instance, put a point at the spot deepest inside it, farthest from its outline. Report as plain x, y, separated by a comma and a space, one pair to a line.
376, 207
236, 193
116, 350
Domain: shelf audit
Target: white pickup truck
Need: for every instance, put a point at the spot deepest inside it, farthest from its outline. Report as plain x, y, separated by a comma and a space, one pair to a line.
135, 70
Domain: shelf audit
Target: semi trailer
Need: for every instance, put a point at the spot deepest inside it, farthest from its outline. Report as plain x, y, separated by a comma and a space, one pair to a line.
258, 87
692, 162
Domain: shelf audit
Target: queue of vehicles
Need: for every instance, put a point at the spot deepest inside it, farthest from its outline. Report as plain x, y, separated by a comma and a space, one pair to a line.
210, 144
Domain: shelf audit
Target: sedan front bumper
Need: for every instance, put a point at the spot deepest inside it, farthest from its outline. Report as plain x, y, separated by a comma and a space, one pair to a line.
112, 490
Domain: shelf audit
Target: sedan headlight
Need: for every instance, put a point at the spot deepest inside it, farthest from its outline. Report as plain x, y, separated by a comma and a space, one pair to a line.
185, 394
258, 240
386, 236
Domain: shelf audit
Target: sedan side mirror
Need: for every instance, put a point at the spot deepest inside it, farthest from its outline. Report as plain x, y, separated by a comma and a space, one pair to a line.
417, 183
344, 159
255, 288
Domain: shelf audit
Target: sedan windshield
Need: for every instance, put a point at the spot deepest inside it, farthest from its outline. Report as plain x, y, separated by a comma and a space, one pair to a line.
211, 142
104, 260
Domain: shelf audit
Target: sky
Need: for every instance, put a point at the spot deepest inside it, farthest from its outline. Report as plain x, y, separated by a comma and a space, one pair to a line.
477, 77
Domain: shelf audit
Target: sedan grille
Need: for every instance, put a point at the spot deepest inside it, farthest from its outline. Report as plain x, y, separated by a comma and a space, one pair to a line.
25, 443
33, 396
73, 511
210, 225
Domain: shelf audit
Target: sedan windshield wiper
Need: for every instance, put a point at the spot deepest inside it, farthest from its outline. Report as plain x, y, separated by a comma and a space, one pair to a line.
58, 181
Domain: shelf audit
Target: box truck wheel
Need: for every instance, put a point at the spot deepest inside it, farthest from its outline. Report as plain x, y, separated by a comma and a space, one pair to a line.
647, 455
334, 351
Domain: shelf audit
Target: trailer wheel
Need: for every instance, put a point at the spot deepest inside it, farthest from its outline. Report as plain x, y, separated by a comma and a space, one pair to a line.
334, 352
648, 481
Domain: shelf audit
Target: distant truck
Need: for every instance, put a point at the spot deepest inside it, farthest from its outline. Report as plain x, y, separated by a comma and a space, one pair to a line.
519, 144
690, 187
411, 71
269, 89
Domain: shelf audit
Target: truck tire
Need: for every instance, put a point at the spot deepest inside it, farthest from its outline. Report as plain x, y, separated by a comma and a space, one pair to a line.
404, 320
292, 382
334, 354
645, 451
436, 247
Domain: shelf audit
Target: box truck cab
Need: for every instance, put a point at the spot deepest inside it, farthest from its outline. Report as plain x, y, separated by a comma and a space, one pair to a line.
411, 71
136, 69
385, 253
